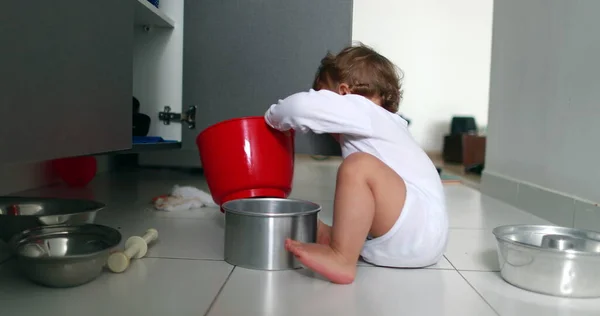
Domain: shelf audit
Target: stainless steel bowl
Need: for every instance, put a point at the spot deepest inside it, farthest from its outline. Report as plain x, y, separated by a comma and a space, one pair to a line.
20, 213
256, 229
550, 260
65, 255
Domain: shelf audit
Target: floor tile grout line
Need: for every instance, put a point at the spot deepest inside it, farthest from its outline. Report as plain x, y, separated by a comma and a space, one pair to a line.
188, 259
406, 269
471, 270
210, 307
471, 285
479, 294
453, 267
462, 276
471, 228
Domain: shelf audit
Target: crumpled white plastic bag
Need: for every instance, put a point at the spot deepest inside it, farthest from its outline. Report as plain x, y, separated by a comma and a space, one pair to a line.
184, 198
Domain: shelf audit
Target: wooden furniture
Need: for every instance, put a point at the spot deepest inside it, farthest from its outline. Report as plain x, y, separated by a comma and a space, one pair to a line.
465, 149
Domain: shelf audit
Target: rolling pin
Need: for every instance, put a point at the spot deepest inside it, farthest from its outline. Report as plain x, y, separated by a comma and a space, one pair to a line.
135, 247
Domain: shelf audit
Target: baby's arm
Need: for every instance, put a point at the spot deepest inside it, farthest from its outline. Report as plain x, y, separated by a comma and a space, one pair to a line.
321, 112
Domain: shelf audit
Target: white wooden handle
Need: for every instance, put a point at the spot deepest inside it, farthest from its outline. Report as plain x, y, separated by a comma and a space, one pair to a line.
135, 247
150, 236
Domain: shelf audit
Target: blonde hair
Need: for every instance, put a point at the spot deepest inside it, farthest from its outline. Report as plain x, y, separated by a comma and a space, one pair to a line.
366, 73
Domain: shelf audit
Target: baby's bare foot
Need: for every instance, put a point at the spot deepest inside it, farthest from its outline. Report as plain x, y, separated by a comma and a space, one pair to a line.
323, 260
323, 233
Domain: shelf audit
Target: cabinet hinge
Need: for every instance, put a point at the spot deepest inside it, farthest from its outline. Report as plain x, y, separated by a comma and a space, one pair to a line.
189, 117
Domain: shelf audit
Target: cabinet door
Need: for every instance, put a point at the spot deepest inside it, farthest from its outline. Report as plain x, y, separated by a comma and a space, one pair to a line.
242, 56
65, 78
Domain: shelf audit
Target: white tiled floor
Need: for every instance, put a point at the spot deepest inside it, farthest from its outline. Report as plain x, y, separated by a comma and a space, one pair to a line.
151, 286
509, 300
376, 291
184, 273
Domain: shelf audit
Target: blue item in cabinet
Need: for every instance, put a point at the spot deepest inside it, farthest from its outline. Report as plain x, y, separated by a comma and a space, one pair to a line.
150, 140
154, 2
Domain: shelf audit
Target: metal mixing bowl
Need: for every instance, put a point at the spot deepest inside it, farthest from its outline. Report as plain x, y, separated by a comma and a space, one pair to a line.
551, 260
20, 213
256, 229
64, 255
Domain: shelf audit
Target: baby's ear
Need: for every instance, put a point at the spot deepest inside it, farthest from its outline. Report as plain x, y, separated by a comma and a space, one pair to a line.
344, 89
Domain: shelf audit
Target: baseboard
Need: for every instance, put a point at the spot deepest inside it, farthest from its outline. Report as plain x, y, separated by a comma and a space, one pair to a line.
556, 207
182, 158
104, 164
27, 176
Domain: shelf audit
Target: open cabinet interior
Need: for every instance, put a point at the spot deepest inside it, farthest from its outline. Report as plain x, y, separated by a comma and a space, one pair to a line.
157, 70
240, 57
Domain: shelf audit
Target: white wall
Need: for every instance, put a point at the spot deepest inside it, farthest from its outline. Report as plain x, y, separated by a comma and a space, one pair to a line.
545, 90
444, 48
157, 70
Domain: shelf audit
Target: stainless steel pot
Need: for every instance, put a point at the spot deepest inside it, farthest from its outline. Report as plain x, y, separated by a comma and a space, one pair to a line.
256, 229
550, 260
20, 213
64, 256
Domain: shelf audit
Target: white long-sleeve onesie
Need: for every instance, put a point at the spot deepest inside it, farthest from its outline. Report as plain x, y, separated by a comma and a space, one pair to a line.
419, 236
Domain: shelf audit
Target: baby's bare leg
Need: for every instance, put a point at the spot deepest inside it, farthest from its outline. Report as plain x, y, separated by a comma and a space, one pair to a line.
323, 233
369, 198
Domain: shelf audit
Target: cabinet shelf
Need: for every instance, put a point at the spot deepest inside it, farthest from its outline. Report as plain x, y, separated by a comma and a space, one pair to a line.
148, 15
146, 147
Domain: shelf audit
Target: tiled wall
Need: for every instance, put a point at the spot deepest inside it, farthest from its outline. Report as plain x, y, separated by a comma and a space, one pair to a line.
561, 209
543, 110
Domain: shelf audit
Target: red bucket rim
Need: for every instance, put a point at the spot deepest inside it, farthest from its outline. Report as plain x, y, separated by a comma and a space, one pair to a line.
245, 118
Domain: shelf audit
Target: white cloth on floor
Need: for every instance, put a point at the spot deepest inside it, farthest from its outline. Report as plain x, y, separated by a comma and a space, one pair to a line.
184, 198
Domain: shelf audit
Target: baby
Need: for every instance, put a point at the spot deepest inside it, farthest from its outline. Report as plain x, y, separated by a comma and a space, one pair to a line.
389, 202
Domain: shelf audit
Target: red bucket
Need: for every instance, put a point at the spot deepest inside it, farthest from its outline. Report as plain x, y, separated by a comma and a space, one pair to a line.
245, 158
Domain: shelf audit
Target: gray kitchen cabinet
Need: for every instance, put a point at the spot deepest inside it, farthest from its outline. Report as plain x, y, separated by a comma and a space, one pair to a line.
239, 57
68, 70
65, 78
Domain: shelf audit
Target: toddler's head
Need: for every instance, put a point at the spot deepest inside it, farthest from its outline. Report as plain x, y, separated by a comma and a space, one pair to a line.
360, 70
